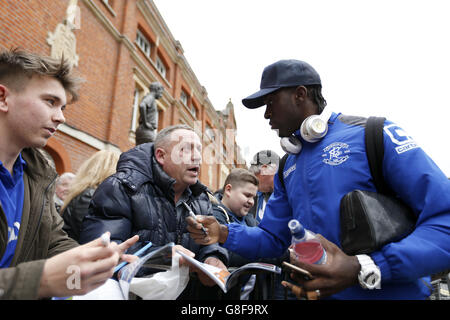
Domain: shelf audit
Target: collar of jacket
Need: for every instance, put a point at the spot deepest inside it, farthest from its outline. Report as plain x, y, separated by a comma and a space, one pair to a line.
231, 216
137, 171
38, 168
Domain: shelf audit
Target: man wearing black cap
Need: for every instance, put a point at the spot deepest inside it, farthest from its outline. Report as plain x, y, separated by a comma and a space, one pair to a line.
327, 159
264, 165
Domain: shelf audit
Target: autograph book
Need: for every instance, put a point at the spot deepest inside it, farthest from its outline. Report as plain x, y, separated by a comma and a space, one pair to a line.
226, 280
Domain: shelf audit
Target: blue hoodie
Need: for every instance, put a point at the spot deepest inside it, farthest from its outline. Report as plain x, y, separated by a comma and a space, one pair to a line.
323, 172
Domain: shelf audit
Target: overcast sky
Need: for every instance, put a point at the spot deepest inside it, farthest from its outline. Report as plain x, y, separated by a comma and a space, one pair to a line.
384, 58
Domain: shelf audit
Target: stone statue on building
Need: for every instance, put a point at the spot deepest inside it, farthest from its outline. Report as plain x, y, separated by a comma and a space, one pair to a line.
62, 41
148, 115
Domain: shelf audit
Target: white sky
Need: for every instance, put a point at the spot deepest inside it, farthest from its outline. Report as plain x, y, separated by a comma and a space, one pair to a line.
383, 58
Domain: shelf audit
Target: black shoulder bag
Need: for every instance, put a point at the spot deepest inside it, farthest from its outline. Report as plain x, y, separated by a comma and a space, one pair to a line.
370, 220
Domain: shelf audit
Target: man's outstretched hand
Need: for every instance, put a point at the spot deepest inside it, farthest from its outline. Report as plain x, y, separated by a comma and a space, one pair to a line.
215, 232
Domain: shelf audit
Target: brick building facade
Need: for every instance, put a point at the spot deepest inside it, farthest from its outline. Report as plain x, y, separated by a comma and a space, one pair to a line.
119, 47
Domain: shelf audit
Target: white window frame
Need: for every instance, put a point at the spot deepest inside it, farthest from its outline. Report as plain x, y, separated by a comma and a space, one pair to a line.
143, 43
209, 132
193, 110
184, 97
161, 67
134, 120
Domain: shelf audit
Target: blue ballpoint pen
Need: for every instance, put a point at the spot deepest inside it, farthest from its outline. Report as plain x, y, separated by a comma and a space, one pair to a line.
137, 253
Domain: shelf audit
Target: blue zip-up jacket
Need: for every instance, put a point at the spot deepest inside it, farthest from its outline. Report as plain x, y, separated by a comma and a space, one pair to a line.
323, 172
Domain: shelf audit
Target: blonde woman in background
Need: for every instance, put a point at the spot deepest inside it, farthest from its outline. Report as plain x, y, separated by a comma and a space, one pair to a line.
92, 172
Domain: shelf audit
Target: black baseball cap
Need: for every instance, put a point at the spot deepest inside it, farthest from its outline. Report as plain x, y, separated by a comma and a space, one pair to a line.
265, 157
282, 74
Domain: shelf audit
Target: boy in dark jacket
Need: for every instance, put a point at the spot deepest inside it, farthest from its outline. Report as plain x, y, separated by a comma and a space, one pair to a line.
148, 196
238, 194
237, 199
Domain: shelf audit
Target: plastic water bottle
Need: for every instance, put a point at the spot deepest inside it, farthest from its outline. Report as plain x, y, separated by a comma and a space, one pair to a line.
307, 247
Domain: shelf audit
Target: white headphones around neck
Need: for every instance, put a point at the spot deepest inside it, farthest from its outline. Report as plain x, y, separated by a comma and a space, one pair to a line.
313, 129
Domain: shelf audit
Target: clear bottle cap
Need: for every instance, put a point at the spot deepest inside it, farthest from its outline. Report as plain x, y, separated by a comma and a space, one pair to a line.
297, 230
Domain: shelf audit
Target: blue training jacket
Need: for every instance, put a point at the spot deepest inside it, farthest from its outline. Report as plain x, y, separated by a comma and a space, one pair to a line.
323, 172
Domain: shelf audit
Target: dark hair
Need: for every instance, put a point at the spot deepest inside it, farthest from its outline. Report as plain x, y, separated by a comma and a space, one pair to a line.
18, 66
315, 94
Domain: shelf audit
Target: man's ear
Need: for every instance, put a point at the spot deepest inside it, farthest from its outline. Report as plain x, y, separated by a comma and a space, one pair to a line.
160, 155
301, 93
3, 94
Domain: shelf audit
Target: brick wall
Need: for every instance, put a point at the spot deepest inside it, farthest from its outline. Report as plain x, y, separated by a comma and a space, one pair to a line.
109, 61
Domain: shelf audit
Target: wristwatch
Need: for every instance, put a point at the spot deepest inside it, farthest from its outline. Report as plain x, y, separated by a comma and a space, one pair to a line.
370, 276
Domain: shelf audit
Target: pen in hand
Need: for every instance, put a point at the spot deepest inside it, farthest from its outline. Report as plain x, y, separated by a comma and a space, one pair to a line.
105, 239
192, 214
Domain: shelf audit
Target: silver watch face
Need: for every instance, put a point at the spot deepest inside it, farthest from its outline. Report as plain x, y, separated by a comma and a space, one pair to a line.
371, 279
369, 276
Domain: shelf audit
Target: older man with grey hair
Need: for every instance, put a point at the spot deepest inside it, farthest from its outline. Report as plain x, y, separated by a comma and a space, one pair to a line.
264, 166
155, 186
62, 188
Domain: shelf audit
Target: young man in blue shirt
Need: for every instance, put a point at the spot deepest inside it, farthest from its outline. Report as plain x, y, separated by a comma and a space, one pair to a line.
36, 254
319, 172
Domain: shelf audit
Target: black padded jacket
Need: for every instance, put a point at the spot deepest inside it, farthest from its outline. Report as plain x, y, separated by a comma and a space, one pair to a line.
139, 199
75, 211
